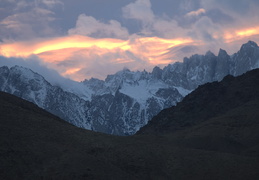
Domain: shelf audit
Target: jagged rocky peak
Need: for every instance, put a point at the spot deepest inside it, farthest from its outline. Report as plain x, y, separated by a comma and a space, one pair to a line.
120, 75
24, 83
251, 44
157, 72
27, 79
223, 58
25, 72
96, 85
20, 76
20, 69
4, 69
246, 58
209, 54
127, 76
3, 72
222, 53
222, 65
137, 95
196, 58
93, 82
248, 46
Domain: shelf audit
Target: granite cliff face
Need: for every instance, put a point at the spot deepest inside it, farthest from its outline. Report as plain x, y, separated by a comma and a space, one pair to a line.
200, 69
126, 101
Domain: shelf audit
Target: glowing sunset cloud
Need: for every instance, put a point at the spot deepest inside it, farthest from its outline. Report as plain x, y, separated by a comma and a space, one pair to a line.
82, 40
150, 47
71, 54
40, 46
71, 71
156, 44
154, 48
81, 51
239, 34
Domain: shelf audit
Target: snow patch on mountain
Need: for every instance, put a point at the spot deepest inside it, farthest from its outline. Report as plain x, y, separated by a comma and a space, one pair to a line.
142, 90
126, 100
183, 92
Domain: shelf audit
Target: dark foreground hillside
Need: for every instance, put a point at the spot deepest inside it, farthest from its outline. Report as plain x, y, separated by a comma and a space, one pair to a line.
220, 144
208, 101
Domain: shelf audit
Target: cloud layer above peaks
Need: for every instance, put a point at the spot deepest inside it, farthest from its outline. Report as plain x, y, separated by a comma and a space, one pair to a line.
83, 39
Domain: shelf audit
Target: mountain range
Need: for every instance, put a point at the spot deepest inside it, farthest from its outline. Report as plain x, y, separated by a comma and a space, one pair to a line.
213, 133
124, 102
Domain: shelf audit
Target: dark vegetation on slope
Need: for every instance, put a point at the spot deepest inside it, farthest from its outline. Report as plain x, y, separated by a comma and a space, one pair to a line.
218, 138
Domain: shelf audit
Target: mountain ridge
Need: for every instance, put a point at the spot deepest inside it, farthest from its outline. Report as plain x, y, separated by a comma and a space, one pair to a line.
126, 100
207, 101
37, 145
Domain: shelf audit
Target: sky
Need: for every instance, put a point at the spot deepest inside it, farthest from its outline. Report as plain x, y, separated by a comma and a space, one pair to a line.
80, 39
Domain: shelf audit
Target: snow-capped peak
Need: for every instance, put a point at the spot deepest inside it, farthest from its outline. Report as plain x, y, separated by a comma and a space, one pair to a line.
126, 100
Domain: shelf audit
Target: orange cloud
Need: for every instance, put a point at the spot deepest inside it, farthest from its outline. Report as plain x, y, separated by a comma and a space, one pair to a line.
234, 35
249, 32
54, 51
43, 45
71, 71
74, 55
147, 46
154, 48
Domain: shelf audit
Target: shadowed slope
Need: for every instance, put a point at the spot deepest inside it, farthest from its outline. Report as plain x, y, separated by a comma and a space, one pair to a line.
207, 101
220, 145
